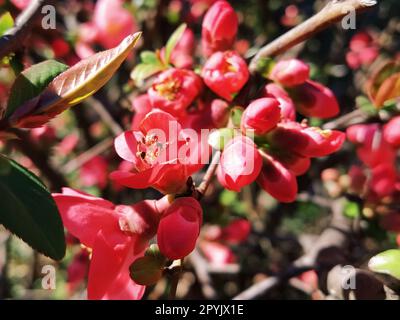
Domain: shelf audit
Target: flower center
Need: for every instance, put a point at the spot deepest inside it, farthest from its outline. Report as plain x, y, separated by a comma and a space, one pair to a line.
168, 88
149, 148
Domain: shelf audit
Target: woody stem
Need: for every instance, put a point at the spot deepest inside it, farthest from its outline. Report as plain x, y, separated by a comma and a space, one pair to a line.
331, 13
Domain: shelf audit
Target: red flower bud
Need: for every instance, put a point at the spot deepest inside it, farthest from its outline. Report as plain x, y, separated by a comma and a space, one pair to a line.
179, 228
315, 100
261, 115
174, 90
391, 132
278, 181
225, 73
290, 72
219, 113
383, 179
219, 28
240, 163
288, 110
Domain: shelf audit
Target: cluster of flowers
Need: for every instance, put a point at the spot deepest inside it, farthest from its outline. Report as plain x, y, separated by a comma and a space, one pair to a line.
119, 234
378, 180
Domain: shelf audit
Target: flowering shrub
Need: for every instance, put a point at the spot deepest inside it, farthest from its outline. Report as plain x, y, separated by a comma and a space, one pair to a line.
272, 130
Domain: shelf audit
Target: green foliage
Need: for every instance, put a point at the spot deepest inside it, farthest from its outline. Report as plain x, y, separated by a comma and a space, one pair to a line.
31, 82
387, 262
28, 210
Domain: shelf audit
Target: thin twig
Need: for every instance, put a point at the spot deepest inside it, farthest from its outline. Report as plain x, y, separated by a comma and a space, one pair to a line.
335, 237
331, 13
200, 267
84, 157
16, 37
212, 168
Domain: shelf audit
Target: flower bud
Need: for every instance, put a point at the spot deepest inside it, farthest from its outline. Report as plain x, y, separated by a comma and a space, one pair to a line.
179, 228
288, 110
315, 100
219, 28
290, 72
391, 132
225, 73
219, 113
240, 163
261, 115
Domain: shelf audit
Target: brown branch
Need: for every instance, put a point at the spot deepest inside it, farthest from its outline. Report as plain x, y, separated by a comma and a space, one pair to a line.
200, 266
326, 253
212, 168
16, 37
331, 13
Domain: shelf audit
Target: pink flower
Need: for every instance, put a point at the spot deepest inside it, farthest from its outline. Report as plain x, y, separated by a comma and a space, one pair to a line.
383, 179
261, 115
174, 90
179, 228
219, 28
240, 163
225, 73
94, 173
363, 51
113, 22
217, 254
162, 154
290, 72
315, 100
117, 236
391, 132
21, 4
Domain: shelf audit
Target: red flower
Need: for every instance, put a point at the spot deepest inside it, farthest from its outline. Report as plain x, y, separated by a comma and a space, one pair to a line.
174, 90
288, 109
383, 179
240, 163
182, 54
362, 50
391, 132
236, 232
277, 180
219, 28
163, 155
261, 115
117, 236
179, 228
290, 72
305, 141
225, 73
315, 100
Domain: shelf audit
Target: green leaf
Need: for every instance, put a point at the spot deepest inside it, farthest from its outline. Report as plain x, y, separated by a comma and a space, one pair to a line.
28, 210
74, 85
387, 262
146, 270
236, 116
143, 71
352, 210
6, 23
149, 57
32, 81
173, 40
